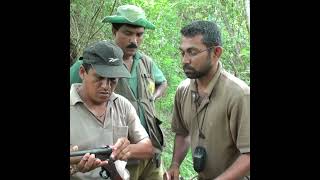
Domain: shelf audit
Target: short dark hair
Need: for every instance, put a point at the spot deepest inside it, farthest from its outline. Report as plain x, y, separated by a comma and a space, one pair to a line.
209, 30
86, 67
117, 26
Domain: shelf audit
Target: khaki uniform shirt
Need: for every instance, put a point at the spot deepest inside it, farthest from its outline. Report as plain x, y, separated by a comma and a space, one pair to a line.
88, 132
225, 114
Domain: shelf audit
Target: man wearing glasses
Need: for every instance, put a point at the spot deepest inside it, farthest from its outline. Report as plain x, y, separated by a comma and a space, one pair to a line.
211, 110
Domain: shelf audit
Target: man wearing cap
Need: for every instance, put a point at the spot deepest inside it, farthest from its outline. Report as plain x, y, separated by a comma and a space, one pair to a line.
146, 84
100, 117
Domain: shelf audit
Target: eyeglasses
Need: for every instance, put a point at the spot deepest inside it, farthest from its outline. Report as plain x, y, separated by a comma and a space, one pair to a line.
193, 52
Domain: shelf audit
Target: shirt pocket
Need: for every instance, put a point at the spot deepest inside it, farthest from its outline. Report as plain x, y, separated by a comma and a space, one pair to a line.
149, 83
119, 132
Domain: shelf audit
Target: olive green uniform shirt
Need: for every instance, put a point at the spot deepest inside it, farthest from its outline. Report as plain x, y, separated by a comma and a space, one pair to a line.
225, 114
133, 80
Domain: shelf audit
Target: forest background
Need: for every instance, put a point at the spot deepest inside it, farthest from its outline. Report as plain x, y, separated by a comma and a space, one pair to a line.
169, 16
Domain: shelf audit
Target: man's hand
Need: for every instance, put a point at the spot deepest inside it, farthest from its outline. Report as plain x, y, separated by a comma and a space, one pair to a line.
121, 149
172, 173
89, 162
73, 148
84, 164
74, 160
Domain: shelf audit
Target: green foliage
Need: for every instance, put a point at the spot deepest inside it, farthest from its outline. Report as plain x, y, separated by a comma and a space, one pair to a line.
85, 22
169, 16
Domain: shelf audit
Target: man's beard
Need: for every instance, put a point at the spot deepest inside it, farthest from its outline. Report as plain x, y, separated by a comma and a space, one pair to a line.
194, 74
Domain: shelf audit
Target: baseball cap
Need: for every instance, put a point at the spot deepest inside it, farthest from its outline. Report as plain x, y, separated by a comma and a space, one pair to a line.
106, 58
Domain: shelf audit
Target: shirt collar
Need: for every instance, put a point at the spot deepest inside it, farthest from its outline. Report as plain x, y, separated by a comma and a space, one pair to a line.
74, 95
137, 55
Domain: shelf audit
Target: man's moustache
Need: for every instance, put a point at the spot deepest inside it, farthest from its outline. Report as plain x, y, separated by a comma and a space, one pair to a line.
132, 45
188, 67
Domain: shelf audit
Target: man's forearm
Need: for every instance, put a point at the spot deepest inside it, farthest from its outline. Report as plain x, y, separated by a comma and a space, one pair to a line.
160, 89
141, 150
238, 169
181, 147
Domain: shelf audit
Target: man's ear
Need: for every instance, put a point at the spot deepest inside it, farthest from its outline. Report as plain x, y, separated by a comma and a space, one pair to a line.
217, 51
114, 31
82, 71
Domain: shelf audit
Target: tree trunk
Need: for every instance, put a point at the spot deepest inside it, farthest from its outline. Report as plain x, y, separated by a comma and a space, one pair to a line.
247, 6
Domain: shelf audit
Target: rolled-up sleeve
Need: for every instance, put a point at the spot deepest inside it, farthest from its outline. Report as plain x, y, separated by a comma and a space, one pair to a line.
157, 74
177, 124
136, 130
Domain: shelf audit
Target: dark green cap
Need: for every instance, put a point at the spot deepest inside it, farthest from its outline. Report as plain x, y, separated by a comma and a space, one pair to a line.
107, 59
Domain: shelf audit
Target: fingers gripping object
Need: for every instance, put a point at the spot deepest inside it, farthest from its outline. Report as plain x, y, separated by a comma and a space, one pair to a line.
102, 153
